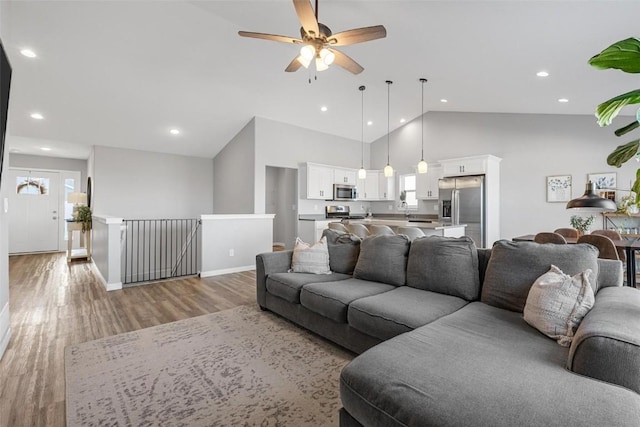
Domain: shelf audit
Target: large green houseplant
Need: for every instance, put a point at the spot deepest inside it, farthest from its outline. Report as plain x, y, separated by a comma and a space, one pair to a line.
625, 56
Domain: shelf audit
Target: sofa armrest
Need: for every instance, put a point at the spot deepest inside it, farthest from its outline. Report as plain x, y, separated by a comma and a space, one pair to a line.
606, 345
269, 263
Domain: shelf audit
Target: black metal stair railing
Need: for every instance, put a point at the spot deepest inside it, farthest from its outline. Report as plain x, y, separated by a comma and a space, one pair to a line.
157, 249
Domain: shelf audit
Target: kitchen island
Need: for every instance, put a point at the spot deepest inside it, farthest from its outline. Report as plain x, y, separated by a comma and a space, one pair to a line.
310, 227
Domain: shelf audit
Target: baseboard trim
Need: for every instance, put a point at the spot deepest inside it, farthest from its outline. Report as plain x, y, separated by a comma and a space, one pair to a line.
115, 286
227, 271
5, 329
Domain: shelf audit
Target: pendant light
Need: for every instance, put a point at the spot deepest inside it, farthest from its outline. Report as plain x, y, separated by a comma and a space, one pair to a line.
362, 173
422, 165
591, 200
388, 170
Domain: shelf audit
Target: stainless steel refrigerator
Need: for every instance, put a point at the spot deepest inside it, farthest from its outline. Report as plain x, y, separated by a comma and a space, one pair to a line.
462, 201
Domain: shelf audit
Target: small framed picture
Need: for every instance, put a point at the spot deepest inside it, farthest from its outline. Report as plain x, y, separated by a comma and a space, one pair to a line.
607, 194
603, 181
559, 188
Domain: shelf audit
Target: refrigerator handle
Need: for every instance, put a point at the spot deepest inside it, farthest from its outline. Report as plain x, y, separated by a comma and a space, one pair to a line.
455, 207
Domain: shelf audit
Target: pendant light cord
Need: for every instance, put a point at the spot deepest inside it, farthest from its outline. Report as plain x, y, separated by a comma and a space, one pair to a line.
423, 81
389, 82
362, 88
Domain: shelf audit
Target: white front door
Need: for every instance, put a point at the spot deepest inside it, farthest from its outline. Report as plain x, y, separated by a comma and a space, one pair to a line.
33, 211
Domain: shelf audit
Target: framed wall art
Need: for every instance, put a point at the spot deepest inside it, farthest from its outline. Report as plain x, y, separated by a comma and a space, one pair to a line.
559, 188
603, 181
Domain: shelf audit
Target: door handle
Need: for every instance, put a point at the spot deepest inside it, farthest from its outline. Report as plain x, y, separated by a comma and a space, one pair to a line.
55, 217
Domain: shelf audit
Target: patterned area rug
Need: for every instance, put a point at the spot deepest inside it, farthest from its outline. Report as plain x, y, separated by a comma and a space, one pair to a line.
236, 367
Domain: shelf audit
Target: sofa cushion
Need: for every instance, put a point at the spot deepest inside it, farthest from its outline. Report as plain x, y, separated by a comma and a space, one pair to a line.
331, 299
445, 265
557, 303
288, 285
403, 309
344, 249
383, 258
310, 258
514, 266
479, 366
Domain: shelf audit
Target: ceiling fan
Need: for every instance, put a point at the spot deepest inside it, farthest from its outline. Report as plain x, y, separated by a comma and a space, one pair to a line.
317, 41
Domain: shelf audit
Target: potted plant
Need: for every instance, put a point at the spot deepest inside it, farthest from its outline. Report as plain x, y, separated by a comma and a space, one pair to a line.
628, 204
84, 216
624, 56
581, 224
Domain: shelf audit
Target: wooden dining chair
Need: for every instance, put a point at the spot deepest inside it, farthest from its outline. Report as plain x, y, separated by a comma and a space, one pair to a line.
338, 226
613, 235
567, 232
548, 237
358, 229
411, 232
378, 230
604, 244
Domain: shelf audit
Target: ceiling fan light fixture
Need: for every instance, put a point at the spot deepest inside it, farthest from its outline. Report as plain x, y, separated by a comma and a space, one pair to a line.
320, 65
304, 61
327, 56
307, 52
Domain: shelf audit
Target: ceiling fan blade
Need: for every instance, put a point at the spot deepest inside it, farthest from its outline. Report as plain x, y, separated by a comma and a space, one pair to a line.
272, 37
293, 66
358, 35
307, 17
346, 62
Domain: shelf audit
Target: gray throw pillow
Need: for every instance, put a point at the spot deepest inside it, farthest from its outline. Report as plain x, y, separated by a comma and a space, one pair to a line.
344, 249
383, 259
515, 266
445, 265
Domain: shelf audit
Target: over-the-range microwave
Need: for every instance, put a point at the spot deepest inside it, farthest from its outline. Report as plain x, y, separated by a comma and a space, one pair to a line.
344, 192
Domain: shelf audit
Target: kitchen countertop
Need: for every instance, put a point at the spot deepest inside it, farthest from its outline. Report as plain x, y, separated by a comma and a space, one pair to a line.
435, 225
392, 221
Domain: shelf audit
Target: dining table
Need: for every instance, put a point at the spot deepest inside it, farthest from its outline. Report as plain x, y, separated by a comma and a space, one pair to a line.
630, 247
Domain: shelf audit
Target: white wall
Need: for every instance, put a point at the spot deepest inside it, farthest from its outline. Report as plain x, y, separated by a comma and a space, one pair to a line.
233, 179
283, 145
51, 163
532, 146
5, 325
230, 242
135, 184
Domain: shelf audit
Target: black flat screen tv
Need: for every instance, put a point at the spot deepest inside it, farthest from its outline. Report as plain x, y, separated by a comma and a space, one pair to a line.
5, 85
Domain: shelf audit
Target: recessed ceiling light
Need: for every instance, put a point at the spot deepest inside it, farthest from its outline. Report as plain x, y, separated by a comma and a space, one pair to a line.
28, 53
45, 148
323, 108
369, 123
542, 74
37, 116
563, 100
174, 131
444, 100
403, 120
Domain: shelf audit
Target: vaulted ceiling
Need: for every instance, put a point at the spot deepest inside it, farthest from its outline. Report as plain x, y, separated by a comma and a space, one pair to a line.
122, 73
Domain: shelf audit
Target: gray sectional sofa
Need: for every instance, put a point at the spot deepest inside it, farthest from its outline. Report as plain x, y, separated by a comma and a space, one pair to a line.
438, 326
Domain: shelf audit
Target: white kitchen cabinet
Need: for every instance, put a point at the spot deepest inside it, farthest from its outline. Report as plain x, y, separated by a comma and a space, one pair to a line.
344, 176
476, 165
319, 182
427, 183
386, 187
369, 188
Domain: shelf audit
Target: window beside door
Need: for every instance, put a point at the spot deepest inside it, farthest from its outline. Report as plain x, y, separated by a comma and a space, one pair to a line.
408, 185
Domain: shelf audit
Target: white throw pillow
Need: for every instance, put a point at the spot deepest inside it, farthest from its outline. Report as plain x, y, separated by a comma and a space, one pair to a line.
557, 303
311, 258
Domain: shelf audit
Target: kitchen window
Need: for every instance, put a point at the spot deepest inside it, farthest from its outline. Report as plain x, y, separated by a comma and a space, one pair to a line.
408, 185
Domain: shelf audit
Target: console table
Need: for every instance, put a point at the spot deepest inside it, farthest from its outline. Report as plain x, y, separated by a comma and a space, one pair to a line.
83, 252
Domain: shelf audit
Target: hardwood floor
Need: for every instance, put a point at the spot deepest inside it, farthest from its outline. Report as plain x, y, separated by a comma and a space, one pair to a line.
53, 304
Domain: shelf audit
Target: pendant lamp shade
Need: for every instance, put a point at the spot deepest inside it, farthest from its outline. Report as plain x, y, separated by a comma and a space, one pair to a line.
422, 165
388, 170
591, 200
362, 173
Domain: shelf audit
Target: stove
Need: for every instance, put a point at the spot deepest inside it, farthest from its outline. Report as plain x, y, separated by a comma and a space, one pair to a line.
340, 212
